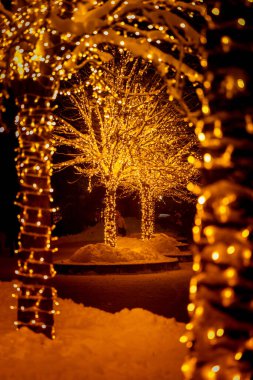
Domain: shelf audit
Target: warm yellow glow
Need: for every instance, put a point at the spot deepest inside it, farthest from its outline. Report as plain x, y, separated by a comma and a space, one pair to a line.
215, 255
216, 368
238, 355
245, 233
207, 157
183, 339
211, 334
227, 293
191, 159
241, 21
247, 253
18, 59
189, 326
231, 249
249, 123
230, 273
201, 200
240, 83
196, 267
185, 367
199, 311
209, 231
193, 289
201, 136
205, 109
225, 40
190, 307
220, 332
216, 11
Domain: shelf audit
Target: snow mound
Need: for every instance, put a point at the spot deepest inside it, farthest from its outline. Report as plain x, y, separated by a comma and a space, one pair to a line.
128, 250
91, 344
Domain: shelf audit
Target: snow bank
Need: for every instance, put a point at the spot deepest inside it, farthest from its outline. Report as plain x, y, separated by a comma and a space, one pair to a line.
128, 250
92, 345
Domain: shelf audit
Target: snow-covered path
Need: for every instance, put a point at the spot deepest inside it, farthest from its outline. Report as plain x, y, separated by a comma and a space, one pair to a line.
163, 293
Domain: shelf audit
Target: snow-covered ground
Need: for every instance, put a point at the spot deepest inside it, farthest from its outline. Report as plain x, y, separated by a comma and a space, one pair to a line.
129, 249
91, 344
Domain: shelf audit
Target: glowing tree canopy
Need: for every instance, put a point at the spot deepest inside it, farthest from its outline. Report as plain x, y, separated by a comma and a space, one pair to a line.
220, 334
46, 41
129, 137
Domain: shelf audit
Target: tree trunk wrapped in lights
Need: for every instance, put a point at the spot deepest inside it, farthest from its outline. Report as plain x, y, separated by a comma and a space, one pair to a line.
164, 169
35, 268
147, 212
220, 334
110, 230
31, 68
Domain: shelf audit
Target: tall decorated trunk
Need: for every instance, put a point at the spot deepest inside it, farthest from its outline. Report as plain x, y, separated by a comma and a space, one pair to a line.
35, 268
147, 212
110, 230
220, 334
33, 52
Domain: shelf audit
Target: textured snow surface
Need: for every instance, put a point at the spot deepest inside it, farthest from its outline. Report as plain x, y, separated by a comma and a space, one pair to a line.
91, 344
129, 249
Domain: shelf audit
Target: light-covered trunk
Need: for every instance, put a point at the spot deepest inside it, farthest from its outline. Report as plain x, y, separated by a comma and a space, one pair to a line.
147, 213
220, 335
35, 268
110, 230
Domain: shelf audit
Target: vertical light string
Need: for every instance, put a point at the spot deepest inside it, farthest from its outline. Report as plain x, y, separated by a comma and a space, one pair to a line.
147, 212
35, 297
220, 334
110, 230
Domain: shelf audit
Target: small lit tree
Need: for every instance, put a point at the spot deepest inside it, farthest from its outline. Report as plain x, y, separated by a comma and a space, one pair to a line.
162, 167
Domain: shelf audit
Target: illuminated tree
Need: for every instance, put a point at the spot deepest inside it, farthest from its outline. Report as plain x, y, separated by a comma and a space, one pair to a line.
130, 137
220, 334
163, 169
45, 41
112, 127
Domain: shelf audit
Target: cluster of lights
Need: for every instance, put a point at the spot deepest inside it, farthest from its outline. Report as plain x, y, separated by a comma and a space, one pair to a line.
110, 218
32, 306
163, 169
147, 213
219, 336
145, 36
